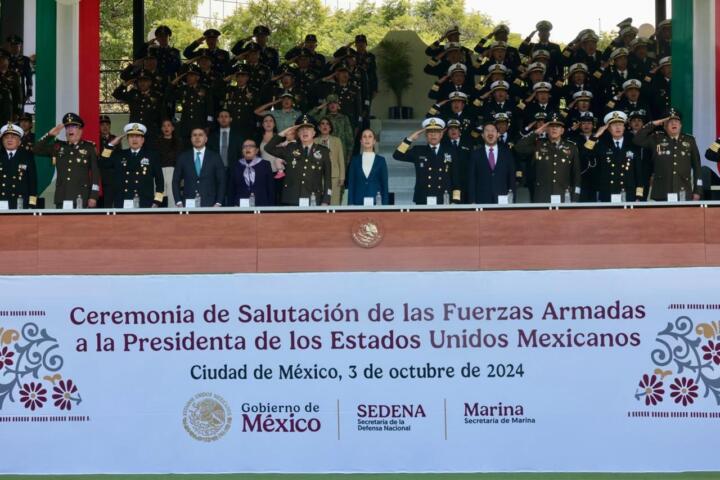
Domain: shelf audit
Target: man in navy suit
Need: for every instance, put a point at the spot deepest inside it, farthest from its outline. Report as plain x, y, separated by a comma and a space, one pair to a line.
199, 170
224, 140
492, 169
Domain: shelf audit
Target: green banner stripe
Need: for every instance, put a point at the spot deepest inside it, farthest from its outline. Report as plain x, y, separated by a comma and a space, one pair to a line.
45, 91
682, 59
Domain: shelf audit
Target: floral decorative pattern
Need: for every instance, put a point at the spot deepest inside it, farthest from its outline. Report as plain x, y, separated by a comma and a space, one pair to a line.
712, 352
690, 357
33, 395
24, 357
63, 394
651, 389
6, 357
684, 391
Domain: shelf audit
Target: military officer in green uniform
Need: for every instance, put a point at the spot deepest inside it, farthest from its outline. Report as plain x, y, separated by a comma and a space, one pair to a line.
28, 139
675, 158
554, 161
146, 106
220, 57
18, 176
21, 65
240, 99
75, 160
194, 101
168, 58
137, 169
307, 165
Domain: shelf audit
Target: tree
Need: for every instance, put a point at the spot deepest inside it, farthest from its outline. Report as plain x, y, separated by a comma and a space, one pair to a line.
288, 20
116, 23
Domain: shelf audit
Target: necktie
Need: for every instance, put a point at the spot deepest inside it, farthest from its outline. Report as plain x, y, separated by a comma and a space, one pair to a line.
11, 155
455, 143
435, 150
197, 163
307, 152
224, 146
617, 144
491, 158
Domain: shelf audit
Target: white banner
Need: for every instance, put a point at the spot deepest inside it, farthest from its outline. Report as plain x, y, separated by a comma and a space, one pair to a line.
614, 370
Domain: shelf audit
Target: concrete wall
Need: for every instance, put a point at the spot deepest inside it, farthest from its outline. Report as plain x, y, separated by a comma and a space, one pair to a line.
416, 95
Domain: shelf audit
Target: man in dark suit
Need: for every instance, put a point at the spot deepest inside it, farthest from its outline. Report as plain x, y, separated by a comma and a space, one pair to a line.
200, 170
492, 169
224, 141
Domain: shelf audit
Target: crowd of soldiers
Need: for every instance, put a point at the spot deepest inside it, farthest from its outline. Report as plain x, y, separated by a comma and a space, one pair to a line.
569, 124
574, 122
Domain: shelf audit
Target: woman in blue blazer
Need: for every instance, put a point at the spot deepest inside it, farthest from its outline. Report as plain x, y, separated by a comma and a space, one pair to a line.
368, 172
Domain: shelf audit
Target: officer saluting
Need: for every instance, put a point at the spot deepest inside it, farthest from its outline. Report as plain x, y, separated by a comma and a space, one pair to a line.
555, 162
76, 162
220, 58
674, 157
137, 170
17, 169
617, 160
435, 164
307, 165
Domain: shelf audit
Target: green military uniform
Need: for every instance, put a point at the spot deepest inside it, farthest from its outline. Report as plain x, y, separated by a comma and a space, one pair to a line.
307, 169
241, 102
146, 108
673, 160
556, 166
341, 127
195, 104
10, 96
76, 164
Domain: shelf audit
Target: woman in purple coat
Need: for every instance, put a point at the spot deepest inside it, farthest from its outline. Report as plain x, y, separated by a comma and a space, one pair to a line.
250, 174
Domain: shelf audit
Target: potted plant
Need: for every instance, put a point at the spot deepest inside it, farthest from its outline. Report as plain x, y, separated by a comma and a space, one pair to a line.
395, 69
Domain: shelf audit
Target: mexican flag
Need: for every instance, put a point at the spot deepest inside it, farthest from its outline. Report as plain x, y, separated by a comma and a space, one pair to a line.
696, 59
66, 36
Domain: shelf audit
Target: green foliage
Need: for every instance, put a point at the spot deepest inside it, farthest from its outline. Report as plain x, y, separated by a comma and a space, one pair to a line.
288, 20
395, 67
116, 23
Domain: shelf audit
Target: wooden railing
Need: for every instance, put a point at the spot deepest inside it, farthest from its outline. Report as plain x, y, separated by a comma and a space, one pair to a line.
279, 240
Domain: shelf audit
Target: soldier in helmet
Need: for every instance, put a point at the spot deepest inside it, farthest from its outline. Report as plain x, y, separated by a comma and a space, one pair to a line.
78, 176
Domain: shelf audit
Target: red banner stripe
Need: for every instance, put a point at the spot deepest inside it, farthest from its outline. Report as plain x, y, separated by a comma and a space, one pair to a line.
89, 66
